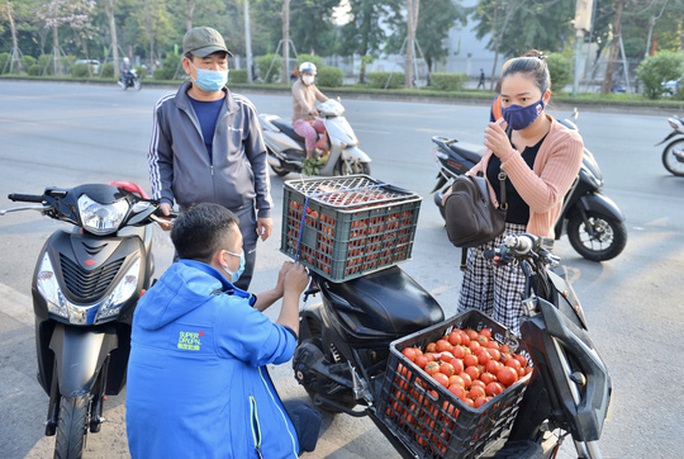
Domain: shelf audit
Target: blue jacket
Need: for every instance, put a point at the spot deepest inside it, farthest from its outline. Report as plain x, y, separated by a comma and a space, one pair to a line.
197, 385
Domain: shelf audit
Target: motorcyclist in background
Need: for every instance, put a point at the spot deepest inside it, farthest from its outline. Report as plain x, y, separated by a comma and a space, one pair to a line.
305, 119
125, 71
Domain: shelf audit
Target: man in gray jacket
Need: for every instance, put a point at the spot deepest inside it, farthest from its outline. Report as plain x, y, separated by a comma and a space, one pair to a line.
206, 145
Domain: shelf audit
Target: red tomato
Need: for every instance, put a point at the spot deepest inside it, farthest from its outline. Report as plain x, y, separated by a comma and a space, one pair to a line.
487, 377
410, 353
465, 339
475, 346
473, 372
479, 401
492, 366
458, 390
431, 347
522, 359
421, 360
507, 375
443, 345
446, 368
455, 338
494, 353
494, 388
458, 351
470, 360
476, 391
478, 382
466, 379
486, 332
458, 365
513, 363
483, 357
472, 334
456, 379
432, 367
442, 379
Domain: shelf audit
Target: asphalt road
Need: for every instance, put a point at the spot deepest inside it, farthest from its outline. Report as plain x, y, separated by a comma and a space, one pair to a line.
67, 134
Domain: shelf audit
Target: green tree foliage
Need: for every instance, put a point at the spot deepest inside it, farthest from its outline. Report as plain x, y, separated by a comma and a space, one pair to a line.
435, 18
560, 69
661, 67
362, 35
515, 27
330, 77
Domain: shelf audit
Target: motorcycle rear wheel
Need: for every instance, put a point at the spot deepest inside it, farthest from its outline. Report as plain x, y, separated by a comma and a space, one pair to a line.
279, 171
670, 161
72, 427
316, 338
608, 240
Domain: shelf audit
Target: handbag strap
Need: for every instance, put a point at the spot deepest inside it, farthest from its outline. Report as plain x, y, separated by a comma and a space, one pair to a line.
503, 205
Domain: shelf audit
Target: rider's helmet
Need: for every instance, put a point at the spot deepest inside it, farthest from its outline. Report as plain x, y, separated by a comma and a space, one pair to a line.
126, 61
307, 67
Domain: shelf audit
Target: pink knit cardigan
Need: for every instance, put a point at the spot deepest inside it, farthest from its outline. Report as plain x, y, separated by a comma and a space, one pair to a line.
544, 186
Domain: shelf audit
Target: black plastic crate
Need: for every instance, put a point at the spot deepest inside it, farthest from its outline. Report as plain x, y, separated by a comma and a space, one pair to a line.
432, 420
346, 227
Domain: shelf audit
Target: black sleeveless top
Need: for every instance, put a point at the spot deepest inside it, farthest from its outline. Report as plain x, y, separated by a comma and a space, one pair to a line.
518, 209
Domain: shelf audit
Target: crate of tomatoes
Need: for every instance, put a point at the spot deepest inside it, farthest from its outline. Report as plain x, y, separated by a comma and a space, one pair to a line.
453, 389
346, 227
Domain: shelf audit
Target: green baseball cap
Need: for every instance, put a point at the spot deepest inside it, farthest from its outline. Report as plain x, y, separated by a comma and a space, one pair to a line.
203, 41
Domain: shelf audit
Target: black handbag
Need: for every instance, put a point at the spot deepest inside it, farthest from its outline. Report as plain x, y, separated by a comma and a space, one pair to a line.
471, 218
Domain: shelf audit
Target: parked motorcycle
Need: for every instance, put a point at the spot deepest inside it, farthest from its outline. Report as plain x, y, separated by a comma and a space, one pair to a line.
132, 81
350, 344
592, 221
85, 287
673, 153
286, 150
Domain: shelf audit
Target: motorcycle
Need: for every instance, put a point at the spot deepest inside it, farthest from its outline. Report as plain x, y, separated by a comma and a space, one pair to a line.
673, 153
593, 222
349, 346
286, 150
85, 287
133, 81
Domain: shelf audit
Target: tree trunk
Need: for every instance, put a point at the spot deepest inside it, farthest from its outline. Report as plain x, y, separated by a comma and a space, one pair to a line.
285, 77
189, 13
110, 8
15, 58
55, 51
614, 48
412, 23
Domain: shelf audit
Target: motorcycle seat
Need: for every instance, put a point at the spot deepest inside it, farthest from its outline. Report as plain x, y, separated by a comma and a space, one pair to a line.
389, 300
287, 129
464, 153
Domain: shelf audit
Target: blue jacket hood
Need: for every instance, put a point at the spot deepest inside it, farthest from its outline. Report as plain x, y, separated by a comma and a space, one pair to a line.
180, 291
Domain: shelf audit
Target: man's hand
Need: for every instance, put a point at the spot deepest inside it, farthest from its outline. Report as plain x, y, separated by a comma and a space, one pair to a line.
166, 210
296, 279
264, 227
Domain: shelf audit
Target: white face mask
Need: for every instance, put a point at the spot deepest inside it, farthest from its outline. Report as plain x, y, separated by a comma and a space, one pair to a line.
308, 79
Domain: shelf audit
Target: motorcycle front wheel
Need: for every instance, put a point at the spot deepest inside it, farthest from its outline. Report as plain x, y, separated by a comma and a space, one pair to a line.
72, 427
674, 163
351, 168
599, 239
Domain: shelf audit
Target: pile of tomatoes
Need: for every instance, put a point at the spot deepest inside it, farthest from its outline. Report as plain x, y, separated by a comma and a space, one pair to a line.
470, 364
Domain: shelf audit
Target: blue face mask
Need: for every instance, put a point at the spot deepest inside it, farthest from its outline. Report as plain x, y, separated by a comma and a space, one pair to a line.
519, 117
211, 80
234, 276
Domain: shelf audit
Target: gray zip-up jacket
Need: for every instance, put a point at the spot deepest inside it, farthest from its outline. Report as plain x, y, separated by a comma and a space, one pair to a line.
236, 174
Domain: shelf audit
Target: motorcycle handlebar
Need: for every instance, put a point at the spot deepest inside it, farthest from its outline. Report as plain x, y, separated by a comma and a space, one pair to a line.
25, 197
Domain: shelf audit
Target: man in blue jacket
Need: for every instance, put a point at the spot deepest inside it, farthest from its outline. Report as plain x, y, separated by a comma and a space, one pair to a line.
206, 145
197, 380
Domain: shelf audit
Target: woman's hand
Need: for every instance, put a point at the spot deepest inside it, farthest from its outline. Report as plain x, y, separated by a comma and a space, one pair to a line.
497, 140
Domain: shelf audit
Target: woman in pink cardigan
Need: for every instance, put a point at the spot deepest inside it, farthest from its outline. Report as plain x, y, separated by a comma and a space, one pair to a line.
540, 158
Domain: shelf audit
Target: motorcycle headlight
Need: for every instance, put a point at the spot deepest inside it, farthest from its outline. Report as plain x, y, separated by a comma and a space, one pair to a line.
101, 219
49, 288
124, 290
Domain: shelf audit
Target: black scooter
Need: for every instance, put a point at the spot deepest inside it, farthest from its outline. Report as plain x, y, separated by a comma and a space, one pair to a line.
85, 287
351, 342
593, 222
